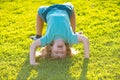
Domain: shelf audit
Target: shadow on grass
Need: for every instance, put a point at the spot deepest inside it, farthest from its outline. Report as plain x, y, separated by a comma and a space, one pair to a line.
50, 70
84, 69
47, 69
25, 71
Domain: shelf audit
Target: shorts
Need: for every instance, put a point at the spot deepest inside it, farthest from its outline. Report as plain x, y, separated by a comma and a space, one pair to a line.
43, 10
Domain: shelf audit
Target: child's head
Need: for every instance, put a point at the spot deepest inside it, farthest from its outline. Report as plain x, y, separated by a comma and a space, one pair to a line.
57, 49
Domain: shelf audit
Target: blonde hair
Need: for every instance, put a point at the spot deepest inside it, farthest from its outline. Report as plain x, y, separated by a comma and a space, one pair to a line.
46, 51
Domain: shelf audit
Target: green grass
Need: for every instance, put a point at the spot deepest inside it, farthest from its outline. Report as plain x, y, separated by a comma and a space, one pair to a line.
98, 19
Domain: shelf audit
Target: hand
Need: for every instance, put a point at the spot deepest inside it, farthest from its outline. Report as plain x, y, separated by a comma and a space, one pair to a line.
34, 64
86, 56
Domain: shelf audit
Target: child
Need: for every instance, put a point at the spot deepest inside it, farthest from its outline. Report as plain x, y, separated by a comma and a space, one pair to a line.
60, 33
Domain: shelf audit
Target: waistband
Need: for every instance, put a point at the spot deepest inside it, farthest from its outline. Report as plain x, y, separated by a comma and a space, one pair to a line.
58, 6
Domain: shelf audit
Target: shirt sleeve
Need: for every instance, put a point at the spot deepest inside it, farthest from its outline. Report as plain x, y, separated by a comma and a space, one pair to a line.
43, 41
74, 39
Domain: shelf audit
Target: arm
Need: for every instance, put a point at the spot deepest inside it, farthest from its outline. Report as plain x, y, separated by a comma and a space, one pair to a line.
85, 41
73, 21
33, 48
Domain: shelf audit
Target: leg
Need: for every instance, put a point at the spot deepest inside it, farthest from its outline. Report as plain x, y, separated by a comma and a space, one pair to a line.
72, 17
73, 21
39, 28
39, 25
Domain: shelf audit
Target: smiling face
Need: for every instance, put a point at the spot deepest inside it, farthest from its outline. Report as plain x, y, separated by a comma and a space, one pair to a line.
59, 49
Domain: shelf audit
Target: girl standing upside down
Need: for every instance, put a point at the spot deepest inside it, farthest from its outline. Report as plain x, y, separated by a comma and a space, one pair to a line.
60, 34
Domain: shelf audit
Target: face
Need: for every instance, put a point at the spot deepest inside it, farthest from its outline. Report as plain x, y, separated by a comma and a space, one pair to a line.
58, 49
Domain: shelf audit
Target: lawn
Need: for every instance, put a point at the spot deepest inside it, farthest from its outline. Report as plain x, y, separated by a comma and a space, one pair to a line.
98, 19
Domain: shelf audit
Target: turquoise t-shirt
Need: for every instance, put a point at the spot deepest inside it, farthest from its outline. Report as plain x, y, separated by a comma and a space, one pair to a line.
59, 27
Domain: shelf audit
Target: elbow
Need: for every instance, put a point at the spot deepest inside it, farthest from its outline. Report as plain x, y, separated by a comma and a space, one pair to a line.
86, 40
35, 44
83, 39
